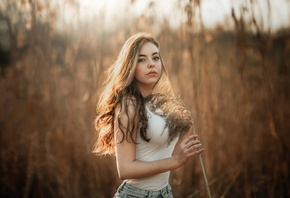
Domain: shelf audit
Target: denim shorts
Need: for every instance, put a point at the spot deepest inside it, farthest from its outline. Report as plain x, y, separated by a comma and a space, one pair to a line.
128, 191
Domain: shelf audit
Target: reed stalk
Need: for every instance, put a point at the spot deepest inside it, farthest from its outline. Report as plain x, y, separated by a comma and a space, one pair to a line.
203, 172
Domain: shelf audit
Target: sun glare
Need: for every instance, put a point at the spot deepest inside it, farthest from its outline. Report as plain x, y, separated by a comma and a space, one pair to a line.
91, 7
126, 10
97, 4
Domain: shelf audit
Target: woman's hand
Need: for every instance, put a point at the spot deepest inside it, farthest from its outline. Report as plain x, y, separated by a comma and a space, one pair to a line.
187, 148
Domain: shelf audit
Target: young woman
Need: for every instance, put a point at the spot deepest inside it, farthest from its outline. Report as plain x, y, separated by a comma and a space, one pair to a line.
141, 122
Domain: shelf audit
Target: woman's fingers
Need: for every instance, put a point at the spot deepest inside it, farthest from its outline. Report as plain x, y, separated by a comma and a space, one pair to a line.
190, 138
195, 152
192, 143
191, 146
193, 149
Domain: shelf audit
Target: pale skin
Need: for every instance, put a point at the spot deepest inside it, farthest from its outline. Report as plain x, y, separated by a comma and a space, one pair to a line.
148, 71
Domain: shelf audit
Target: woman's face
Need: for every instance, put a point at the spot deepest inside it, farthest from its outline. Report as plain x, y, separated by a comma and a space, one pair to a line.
149, 67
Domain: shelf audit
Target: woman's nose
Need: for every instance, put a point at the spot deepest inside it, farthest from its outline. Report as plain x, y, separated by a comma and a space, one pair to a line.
151, 64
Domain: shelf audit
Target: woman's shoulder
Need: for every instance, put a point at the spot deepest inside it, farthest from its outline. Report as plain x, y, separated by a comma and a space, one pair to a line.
159, 97
127, 104
129, 101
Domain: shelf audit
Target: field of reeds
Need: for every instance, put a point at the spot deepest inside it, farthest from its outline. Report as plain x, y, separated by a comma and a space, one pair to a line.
236, 84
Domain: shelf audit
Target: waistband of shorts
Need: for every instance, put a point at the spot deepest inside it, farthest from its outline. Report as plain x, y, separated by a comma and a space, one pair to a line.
164, 190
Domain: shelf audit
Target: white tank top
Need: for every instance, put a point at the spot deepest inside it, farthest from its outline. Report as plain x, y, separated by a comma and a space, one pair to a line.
157, 148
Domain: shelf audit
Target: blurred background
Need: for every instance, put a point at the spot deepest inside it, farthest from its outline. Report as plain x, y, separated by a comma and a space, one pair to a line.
229, 60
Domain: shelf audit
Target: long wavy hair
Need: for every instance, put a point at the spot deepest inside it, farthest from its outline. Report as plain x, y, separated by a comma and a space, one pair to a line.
119, 89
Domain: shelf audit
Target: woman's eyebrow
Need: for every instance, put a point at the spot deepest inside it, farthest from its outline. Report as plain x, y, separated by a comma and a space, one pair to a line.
152, 54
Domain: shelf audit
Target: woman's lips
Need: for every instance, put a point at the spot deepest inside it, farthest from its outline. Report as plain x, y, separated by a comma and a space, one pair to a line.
152, 73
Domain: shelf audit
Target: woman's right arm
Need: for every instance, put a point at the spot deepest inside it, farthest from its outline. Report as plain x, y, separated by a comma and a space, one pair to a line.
130, 168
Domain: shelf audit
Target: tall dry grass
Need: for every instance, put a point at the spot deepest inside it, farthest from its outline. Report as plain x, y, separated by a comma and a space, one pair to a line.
236, 85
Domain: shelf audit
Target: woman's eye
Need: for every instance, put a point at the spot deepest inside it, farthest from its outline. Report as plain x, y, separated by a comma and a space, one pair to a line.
141, 60
156, 58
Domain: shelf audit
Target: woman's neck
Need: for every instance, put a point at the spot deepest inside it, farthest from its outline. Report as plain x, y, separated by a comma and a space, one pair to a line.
145, 91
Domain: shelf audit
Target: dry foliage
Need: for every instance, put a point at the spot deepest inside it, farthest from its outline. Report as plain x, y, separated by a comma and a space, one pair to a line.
236, 85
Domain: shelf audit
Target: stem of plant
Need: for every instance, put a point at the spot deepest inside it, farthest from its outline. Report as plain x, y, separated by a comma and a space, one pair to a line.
203, 173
